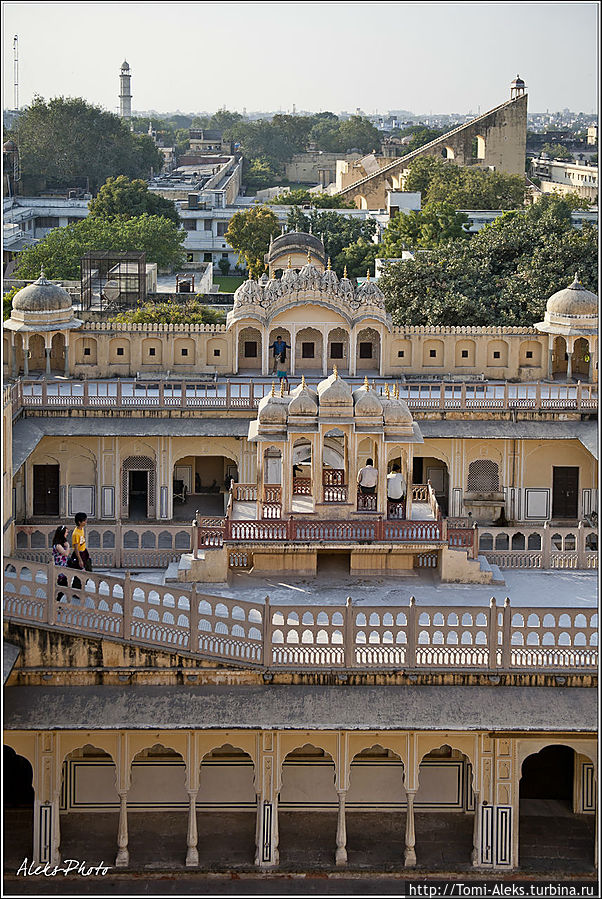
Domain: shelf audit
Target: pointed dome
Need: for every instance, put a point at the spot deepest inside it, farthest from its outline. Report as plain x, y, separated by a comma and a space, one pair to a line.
272, 410
272, 290
346, 289
573, 300
370, 292
396, 412
330, 282
333, 391
42, 296
310, 278
248, 293
367, 402
303, 402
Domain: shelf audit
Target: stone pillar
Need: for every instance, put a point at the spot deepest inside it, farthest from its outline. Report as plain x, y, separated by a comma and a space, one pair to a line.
25, 356
47, 352
381, 489
266, 854
324, 353
341, 853
46, 821
265, 356
192, 853
235, 339
352, 353
292, 350
569, 366
410, 852
381, 355
550, 356
67, 366
123, 856
475, 856
13, 357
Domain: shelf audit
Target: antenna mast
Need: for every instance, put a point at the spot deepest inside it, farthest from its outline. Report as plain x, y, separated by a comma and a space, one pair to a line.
16, 69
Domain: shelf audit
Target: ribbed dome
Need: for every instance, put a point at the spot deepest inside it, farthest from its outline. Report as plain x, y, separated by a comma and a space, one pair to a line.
346, 289
248, 292
310, 278
367, 402
330, 282
272, 291
272, 410
303, 403
396, 412
334, 391
42, 296
290, 279
573, 300
370, 292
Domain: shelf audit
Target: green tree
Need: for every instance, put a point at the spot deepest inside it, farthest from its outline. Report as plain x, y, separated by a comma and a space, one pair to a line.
436, 224
419, 136
249, 233
123, 197
358, 258
338, 233
260, 173
60, 252
170, 312
65, 141
463, 187
502, 276
557, 151
7, 301
300, 197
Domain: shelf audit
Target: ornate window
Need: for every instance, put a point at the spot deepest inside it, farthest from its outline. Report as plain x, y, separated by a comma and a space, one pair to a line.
483, 476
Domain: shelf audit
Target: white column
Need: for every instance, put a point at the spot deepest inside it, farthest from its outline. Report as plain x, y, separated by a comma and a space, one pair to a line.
324, 351
235, 338
123, 855
268, 781
476, 832
550, 356
292, 351
341, 853
569, 366
67, 365
381, 367
264, 355
25, 339
192, 853
410, 852
13, 356
47, 352
352, 352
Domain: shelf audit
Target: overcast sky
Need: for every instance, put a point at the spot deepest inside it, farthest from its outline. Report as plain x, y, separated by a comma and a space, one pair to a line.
423, 57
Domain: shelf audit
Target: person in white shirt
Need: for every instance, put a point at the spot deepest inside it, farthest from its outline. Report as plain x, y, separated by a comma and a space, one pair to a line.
396, 485
367, 477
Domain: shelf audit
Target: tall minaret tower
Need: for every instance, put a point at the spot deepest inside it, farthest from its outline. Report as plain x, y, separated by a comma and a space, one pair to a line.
125, 92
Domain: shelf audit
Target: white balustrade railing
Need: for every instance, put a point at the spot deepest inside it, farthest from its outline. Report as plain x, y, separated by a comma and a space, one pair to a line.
177, 618
546, 547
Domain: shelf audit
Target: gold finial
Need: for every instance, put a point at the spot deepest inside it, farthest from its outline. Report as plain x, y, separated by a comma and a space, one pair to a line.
309, 257
303, 382
273, 388
387, 391
366, 384
289, 264
368, 276
345, 272
335, 372
328, 266
396, 391
281, 386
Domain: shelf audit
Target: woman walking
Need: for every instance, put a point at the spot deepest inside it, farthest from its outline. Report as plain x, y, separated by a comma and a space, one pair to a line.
60, 554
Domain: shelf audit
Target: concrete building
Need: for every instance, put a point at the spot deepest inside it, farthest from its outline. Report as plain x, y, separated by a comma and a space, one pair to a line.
232, 707
566, 177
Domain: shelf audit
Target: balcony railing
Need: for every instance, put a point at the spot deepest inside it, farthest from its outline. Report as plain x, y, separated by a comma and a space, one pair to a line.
176, 618
245, 395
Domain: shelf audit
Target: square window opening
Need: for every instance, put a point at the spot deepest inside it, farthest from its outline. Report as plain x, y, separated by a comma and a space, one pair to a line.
465, 354
308, 350
401, 354
250, 349
433, 354
120, 351
336, 350
217, 352
365, 350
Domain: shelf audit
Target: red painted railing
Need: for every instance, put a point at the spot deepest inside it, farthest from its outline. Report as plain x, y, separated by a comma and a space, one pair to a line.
301, 486
334, 531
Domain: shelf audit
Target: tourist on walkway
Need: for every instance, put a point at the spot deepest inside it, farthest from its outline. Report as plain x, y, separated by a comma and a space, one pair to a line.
60, 554
367, 478
396, 485
280, 347
81, 556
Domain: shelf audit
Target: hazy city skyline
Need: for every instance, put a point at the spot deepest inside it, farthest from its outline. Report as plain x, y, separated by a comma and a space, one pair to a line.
428, 58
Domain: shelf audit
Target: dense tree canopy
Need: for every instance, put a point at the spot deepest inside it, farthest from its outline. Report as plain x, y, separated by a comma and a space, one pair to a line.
419, 136
429, 227
68, 142
249, 233
463, 187
123, 197
60, 252
503, 275
300, 197
347, 241
191, 313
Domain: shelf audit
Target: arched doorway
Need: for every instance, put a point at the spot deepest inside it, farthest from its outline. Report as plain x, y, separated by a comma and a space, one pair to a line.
273, 365
249, 350
556, 811
270, 497
308, 351
376, 836
334, 467
303, 500
581, 359
338, 350
559, 358
368, 351
89, 808
226, 807
138, 488
57, 353
430, 468
18, 809
308, 805
202, 483
37, 353
445, 811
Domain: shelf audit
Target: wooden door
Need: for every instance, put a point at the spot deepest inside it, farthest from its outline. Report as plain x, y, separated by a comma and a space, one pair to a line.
565, 492
46, 490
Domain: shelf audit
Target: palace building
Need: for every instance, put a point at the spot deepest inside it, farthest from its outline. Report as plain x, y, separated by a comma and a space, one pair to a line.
317, 674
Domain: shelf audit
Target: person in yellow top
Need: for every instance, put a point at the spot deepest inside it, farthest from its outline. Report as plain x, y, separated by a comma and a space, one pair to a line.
78, 542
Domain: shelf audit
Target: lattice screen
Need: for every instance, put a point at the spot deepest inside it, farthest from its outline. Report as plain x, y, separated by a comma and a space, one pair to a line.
138, 463
483, 477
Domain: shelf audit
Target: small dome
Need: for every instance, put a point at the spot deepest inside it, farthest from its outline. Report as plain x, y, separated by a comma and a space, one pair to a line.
272, 410
290, 279
303, 402
518, 82
367, 402
310, 278
346, 289
125, 64
396, 412
249, 292
9, 146
330, 282
42, 296
333, 391
272, 290
573, 300
370, 292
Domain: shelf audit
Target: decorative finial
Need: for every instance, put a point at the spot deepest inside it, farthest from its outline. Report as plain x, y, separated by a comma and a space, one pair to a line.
576, 278
366, 384
335, 372
396, 392
271, 239
281, 386
328, 266
368, 276
303, 382
273, 388
309, 254
42, 274
289, 264
387, 391
310, 231
345, 272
